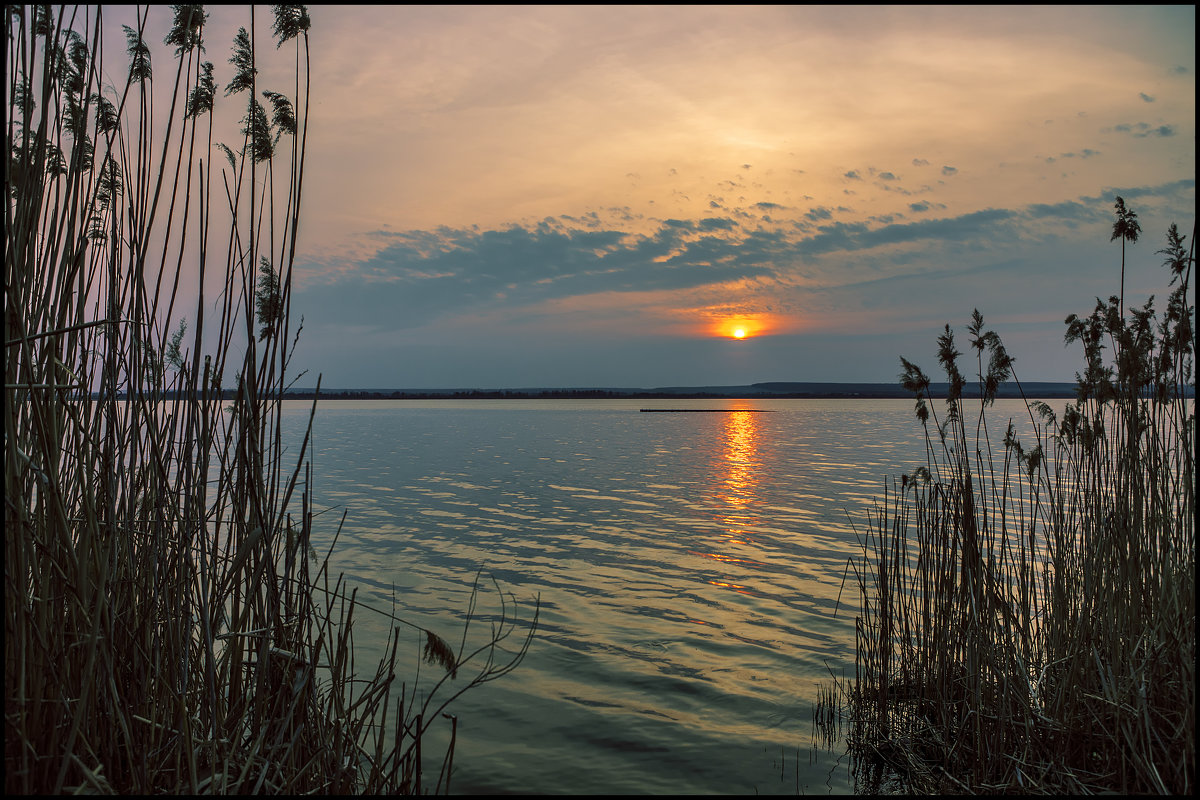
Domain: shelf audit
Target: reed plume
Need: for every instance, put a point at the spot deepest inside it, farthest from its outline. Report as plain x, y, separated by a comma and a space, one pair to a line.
1028, 608
167, 625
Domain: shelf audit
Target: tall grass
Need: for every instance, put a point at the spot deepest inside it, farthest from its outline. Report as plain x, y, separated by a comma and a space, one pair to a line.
167, 623
1028, 609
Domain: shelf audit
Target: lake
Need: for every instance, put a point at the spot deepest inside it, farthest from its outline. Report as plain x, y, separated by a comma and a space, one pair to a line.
689, 567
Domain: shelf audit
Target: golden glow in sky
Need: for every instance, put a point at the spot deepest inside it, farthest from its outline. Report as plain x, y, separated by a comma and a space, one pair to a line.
506, 196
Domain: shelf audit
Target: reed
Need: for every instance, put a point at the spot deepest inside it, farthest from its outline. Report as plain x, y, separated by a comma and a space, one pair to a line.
168, 626
1028, 609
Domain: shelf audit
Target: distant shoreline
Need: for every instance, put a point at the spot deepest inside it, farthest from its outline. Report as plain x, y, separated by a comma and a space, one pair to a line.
762, 391
1036, 390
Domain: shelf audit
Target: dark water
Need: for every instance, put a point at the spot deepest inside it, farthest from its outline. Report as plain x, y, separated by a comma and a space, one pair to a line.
688, 566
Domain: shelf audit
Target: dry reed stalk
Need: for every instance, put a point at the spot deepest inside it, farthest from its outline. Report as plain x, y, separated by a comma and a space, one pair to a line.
164, 629
1028, 615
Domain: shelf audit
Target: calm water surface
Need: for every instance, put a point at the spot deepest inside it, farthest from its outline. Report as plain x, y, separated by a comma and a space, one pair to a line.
688, 565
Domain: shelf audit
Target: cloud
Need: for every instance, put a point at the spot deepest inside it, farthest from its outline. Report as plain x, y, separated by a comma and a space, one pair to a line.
1183, 190
1141, 130
1147, 98
533, 270
888, 176
853, 175
920, 162
421, 275
1068, 211
853, 236
718, 223
949, 170
1161, 130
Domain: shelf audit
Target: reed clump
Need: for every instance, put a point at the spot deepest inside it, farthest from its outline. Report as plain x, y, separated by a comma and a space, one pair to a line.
1028, 609
168, 625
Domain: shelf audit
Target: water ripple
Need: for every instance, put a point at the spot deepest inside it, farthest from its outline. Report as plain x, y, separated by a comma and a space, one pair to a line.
689, 567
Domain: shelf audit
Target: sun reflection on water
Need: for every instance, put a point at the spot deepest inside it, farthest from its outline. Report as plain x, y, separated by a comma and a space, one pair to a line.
736, 476
740, 464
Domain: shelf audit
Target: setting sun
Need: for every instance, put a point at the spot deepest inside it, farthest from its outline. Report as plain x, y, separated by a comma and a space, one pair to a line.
740, 328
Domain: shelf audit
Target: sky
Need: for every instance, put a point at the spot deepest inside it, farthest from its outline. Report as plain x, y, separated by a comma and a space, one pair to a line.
587, 196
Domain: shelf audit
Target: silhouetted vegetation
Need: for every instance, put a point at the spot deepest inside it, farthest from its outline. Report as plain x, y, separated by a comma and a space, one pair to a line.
168, 624
1028, 612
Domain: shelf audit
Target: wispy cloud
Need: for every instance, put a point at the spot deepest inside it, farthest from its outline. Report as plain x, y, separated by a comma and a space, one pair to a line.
419, 276
1141, 130
1161, 130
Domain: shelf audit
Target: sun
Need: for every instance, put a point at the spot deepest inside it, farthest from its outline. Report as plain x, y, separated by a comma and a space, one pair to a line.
738, 327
